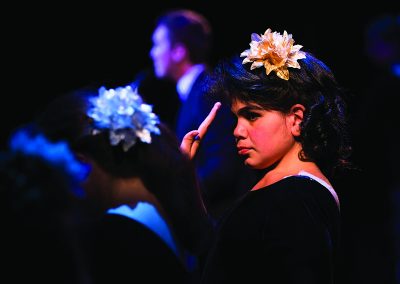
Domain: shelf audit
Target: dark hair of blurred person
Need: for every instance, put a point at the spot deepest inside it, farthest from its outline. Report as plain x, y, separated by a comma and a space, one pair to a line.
155, 224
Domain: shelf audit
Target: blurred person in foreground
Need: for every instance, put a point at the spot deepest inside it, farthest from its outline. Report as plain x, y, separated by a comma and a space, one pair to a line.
41, 211
153, 223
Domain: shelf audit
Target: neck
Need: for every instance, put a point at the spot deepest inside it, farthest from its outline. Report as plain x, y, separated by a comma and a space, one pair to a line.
289, 165
129, 191
181, 70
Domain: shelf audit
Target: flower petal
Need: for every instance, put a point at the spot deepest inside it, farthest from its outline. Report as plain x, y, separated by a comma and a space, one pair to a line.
274, 51
282, 73
124, 114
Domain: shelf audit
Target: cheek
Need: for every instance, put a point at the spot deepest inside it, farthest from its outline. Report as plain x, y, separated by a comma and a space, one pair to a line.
268, 137
162, 52
272, 143
162, 62
95, 184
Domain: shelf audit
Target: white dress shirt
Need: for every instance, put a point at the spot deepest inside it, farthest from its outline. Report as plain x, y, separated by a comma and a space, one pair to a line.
185, 83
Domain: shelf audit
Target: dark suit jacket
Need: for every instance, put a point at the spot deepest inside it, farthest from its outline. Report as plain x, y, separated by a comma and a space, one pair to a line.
160, 93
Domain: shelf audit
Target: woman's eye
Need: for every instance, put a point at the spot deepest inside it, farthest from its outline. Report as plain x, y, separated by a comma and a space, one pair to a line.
251, 116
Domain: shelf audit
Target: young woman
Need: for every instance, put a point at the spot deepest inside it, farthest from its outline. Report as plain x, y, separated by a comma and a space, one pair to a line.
290, 124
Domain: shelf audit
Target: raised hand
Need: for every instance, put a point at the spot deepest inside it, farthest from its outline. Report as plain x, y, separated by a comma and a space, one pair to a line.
191, 141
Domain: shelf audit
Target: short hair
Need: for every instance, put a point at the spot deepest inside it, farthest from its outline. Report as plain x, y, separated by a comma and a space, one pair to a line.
191, 29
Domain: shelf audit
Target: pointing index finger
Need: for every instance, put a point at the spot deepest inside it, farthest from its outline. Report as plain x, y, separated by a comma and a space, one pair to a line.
208, 120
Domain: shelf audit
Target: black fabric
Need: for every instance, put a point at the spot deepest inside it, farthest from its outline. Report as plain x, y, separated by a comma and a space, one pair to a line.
125, 251
287, 232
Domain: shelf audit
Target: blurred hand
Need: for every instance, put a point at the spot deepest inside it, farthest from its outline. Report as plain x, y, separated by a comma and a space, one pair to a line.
191, 141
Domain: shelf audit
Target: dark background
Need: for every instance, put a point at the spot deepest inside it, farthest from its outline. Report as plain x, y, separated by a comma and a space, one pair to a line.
56, 48
50, 49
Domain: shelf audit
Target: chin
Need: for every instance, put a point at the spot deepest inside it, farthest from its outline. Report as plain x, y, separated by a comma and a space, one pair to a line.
254, 165
249, 164
159, 73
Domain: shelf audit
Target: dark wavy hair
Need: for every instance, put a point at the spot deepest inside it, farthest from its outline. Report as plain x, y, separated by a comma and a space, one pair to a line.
324, 135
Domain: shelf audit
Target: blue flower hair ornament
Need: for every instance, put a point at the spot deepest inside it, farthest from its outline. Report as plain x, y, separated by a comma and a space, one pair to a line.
123, 113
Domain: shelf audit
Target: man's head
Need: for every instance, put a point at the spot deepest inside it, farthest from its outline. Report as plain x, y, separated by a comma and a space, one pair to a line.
181, 39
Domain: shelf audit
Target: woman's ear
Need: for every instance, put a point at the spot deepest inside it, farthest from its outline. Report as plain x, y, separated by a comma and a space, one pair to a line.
296, 117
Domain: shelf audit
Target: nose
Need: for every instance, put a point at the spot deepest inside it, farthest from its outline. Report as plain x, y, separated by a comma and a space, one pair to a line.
239, 132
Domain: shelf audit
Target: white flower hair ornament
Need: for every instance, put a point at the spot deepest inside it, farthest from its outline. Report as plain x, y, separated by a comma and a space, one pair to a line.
124, 114
274, 51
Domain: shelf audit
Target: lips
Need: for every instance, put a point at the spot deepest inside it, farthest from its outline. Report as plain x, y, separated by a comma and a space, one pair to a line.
243, 150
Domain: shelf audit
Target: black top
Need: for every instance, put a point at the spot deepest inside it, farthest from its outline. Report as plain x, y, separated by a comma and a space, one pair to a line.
283, 233
127, 251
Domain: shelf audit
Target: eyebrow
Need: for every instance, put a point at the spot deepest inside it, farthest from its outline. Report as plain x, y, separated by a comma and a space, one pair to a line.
249, 108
